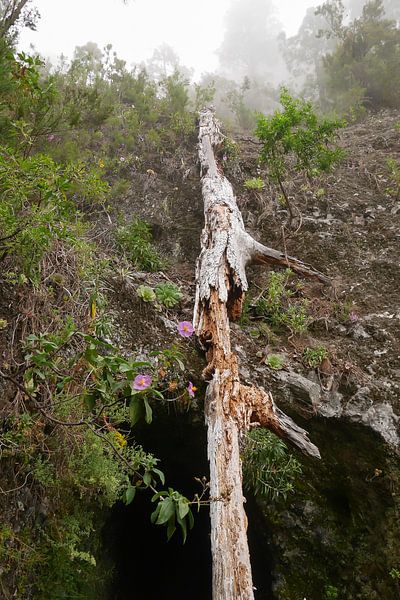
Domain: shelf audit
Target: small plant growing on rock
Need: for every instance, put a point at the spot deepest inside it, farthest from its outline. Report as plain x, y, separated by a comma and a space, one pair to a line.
313, 357
168, 294
276, 306
275, 362
146, 293
256, 183
395, 573
331, 592
296, 318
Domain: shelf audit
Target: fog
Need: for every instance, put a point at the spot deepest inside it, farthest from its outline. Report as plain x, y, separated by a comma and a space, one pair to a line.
195, 31
344, 56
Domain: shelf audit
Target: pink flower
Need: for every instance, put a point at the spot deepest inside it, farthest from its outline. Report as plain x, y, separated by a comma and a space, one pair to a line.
191, 389
185, 328
141, 382
353, 317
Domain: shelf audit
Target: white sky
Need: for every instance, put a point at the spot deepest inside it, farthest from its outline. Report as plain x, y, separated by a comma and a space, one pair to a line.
194, 28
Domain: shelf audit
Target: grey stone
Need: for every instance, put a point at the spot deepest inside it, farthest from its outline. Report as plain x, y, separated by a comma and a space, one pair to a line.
357, 332
380, 417
302, 388
331, 405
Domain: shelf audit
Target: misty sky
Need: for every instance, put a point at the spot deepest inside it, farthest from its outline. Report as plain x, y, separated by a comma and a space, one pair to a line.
194, 29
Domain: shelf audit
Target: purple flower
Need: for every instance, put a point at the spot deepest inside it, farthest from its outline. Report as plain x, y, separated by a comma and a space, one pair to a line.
353, 317
191, 389
185, 328
51, 137
141, 382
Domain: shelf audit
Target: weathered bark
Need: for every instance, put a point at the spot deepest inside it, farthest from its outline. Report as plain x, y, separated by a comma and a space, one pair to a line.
231, 408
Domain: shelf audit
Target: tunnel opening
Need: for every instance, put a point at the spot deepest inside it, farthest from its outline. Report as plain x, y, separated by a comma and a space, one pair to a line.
146, 565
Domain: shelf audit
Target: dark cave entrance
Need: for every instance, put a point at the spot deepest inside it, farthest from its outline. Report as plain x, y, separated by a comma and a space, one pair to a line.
146, 566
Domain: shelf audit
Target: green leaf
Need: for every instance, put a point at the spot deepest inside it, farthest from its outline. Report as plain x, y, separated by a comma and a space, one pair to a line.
167, 510
135, 410
130, 493
157, 393
180, 363
182, 524
158, 495
149, 412
147, 478
160, 474
171, 529
154, 514
183, 508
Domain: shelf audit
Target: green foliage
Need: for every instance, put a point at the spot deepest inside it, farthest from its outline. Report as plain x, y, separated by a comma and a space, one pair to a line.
64, 134
275, 361
135, 240
256, 183
313, 357
268, 469
394, 573
298, 132
170, 358
296, 318
176, 95
230, 149
146, 293
204, 95
245, 116
331, 592
39, 205
280, 306
168, 294
29, 109
172, 509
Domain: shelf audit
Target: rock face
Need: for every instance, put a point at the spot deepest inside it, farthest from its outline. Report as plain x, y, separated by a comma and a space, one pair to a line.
359, 408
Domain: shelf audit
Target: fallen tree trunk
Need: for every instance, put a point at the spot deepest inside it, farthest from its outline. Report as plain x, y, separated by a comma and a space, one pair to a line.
231, 408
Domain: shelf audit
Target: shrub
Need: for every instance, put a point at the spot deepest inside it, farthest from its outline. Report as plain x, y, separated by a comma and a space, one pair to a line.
135, 240
298, 133
39, 205
268, 469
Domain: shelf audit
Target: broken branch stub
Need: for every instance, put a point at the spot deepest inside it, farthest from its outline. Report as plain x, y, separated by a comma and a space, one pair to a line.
231, 408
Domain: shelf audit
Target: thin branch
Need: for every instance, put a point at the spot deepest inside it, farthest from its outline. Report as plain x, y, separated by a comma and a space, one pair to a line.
262, 255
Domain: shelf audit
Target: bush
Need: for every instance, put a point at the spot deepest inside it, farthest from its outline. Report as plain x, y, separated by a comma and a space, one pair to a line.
298, 133
268, 469
135, 240
40, 205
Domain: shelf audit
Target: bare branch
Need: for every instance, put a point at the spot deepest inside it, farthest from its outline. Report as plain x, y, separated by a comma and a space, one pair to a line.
262, 255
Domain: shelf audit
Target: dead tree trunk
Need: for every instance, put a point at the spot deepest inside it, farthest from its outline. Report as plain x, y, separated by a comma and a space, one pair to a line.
231, 408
